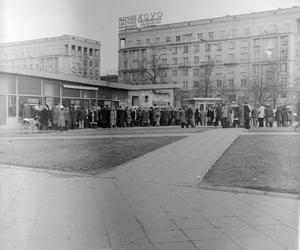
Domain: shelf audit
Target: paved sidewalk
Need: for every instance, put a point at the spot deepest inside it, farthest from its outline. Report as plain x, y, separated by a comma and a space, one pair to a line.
134, 208
183, 162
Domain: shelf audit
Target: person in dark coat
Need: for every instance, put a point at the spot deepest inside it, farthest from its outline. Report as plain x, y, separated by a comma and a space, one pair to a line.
182, 115
145, 117
67, 118
189, 117
55, 115
122, 119
278, 116
73, 117
45, 118
218, 115
81, 116
247, 116
284, 116
133, 117
197, 117
103, 116
269, 116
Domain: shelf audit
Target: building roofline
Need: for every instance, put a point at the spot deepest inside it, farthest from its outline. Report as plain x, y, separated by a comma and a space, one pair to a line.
76, 79
213, 20
47, 39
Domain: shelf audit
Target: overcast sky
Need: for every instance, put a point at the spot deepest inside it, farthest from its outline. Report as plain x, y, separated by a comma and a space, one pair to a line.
98, 19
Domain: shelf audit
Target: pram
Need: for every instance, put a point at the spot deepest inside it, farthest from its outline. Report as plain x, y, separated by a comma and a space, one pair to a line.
31, 124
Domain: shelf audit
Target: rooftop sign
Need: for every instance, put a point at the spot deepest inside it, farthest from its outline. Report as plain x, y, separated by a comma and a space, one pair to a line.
140, 20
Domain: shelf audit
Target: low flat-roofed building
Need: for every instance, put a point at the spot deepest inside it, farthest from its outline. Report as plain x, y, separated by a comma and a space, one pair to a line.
18, 86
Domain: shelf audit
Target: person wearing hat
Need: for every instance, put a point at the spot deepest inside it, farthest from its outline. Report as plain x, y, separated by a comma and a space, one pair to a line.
61, 118
284, 116
269, 116
261, 115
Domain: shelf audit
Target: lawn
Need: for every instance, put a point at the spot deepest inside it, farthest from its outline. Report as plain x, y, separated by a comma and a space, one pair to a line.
78, 155
264, 162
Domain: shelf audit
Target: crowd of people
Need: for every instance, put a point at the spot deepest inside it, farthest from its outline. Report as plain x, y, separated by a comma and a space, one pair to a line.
225, 115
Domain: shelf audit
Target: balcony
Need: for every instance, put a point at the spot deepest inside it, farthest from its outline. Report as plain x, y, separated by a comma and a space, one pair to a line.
207, 63
185, 65
230, 63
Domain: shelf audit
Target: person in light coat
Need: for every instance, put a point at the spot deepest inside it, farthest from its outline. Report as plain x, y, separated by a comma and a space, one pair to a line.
113, 117
261, 115
61, 118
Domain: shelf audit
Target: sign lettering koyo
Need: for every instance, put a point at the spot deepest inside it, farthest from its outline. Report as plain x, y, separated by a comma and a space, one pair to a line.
140, 20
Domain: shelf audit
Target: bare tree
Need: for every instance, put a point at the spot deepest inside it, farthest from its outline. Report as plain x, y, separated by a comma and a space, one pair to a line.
151, 69
274, 84
81, 67
203, 86
268, 85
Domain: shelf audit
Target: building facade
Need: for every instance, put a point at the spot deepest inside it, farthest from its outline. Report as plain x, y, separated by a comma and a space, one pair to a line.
65, 55
231, 57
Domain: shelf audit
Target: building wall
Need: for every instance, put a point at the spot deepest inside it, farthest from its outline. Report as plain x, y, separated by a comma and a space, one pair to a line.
233, 47
151, 98
64, 55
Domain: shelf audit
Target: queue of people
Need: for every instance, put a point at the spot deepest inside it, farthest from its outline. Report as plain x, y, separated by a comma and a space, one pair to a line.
226, 115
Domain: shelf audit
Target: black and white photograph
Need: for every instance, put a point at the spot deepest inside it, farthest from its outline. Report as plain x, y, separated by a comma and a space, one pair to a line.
149, 125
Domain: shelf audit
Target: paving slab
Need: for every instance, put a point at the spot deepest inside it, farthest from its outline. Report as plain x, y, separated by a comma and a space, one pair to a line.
149, 203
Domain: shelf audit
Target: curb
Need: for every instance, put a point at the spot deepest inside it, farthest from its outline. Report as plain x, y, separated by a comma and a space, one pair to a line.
44, 171
200, 178
249, 191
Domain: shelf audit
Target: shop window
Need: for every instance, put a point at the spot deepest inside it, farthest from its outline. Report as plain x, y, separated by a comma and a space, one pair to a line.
71, 92
88, 93
29, 86
8, 84
12, 106
32, 101
51, 88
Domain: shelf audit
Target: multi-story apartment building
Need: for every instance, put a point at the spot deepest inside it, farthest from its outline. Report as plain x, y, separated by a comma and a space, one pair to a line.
218, 57
66, 55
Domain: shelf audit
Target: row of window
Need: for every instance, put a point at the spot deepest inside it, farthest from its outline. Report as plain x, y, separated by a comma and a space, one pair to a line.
30, 53
230, 83
210, 36
81, 51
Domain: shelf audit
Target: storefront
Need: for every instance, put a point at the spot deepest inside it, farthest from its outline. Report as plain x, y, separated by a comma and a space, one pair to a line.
39, 88
16, 90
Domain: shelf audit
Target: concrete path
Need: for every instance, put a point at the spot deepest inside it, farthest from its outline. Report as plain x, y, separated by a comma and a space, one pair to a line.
134, 207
